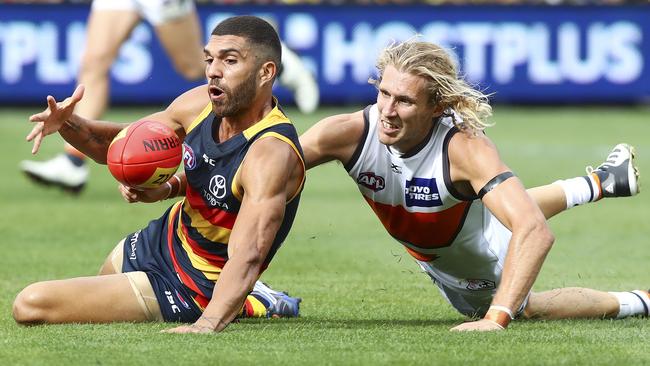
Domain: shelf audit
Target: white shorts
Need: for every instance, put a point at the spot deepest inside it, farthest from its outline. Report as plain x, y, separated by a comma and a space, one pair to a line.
153, 11
477, 267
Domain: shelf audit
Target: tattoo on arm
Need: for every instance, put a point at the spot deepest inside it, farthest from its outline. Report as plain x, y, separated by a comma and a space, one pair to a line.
84, 134
71, 126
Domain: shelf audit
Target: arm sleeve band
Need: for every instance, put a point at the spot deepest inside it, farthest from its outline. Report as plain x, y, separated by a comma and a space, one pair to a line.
500, 178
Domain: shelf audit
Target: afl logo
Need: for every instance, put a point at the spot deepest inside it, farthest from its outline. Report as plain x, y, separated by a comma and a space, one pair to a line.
188, 157
218, 186
371, 181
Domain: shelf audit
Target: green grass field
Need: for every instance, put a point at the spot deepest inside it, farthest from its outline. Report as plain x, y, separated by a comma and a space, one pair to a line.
365, 301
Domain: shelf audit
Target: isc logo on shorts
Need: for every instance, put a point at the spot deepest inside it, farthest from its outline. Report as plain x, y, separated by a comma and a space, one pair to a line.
172, 303
422, 192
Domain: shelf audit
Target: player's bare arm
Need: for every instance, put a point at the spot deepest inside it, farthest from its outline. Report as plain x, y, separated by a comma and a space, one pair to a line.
90, 137
180, 114
333, 138
474, 161
270, 175
93, 137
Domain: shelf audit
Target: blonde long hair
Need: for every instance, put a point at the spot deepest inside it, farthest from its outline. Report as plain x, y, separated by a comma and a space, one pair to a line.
446, 89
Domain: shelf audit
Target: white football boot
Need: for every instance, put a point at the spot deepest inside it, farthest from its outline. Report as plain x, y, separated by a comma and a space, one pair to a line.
58, 171
281, 304
296, 77
618, 176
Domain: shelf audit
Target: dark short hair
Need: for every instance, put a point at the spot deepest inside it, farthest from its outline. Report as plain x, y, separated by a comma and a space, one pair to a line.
257, 31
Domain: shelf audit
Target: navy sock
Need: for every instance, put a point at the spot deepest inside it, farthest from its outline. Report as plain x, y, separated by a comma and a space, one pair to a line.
77, 161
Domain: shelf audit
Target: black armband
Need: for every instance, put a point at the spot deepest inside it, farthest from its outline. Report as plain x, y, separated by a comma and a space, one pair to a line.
500, 178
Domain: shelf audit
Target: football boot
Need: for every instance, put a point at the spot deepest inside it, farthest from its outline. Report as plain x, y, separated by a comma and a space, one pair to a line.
59, 171
617, 176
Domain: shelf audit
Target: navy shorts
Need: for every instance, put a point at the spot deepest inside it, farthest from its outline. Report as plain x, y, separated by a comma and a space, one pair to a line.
147, 250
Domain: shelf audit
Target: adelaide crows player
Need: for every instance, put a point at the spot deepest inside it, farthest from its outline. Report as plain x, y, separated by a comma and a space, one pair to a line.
244, 172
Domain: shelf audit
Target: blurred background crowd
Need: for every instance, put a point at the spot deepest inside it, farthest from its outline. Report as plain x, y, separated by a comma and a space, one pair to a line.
146, 52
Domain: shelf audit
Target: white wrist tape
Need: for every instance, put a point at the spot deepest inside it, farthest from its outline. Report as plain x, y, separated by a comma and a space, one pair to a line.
504, 309
170, 190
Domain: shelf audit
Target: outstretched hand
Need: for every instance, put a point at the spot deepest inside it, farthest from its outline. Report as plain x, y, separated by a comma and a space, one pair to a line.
53, 117
482, 325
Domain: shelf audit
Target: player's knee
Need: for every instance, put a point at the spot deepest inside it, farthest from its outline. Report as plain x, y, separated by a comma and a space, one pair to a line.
190, 70
30, 306
96, 63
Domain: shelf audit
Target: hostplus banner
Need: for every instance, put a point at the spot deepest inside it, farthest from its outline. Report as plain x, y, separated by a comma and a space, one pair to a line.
521, 54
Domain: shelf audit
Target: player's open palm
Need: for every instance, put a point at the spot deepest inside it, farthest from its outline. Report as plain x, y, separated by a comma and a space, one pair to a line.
53, 117
184, 329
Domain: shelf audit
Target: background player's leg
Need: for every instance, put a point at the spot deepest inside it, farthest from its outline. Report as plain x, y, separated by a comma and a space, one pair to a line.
182, 41
575, 302
107, 31
296, 76
100, 299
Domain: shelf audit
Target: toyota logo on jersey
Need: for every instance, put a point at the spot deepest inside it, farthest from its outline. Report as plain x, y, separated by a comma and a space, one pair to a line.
218, 186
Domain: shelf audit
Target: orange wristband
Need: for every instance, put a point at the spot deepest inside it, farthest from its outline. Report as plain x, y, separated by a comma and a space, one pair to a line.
502, 318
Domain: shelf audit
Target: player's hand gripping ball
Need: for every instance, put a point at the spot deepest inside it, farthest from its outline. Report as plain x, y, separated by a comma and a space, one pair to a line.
144, 155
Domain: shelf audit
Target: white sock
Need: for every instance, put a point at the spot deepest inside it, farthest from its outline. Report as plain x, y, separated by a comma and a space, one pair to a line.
579, 190
632, 303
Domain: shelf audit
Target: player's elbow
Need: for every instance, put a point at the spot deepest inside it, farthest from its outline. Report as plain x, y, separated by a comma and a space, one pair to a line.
252, 259
255, 255
543, 233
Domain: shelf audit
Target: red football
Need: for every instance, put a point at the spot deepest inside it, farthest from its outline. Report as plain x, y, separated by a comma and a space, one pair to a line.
144, 155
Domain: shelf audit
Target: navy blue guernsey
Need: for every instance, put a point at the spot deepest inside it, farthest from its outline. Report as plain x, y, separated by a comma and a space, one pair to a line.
199, 226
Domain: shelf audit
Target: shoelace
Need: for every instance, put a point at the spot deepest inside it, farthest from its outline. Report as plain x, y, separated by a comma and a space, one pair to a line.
611, 160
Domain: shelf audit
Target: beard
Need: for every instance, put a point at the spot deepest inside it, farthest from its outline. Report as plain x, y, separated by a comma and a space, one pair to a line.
237, 99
